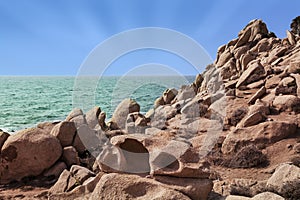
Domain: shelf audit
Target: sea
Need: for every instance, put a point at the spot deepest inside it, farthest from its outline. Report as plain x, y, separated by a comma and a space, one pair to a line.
26, 101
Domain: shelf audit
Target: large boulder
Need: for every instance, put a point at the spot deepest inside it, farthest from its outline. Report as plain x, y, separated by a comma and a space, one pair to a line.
263, 133
261, 196
169, 95
187, 91
81, 174
92, 117
64, 132
70, 156
28, 153
254, 72
192, 187
123, 109
285, 181
65, 183
118, 186
287, 103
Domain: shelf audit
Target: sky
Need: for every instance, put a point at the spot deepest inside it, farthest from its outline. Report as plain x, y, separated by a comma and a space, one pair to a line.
55, 37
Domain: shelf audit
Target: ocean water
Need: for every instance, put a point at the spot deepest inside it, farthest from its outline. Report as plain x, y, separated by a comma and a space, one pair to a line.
26, 101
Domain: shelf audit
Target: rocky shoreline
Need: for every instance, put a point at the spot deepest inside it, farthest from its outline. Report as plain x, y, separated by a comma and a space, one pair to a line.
232, 134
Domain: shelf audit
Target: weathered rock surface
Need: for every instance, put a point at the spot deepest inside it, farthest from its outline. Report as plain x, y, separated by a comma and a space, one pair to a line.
117, 186
64, 132
285, 181
123, 109
28, 153
266, 132
70, 156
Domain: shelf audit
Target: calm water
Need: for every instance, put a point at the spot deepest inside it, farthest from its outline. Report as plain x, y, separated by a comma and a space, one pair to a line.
26, 101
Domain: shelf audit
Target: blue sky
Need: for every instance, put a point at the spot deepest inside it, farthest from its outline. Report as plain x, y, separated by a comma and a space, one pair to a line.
53, 37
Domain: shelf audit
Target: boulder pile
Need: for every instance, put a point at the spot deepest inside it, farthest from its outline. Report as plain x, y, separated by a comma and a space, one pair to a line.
234, 133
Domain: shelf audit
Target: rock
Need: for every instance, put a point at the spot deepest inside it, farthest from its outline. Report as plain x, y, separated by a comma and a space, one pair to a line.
261, 92
55, 170
238, 52
258, 30
78, 145
287, 103
79, 121
192, 187
122, 186
267, 195
3, 137
243, 38
286, 86
224, 58
263, 133
235, 197
152, 131
88, 138
123, 109
91, 182
159, 102
253, 73
259, 106
186, 92
169, 160
161, 115
253, 119
261, 196
291, 37
287, 82
246, 59
228, 69
293, 68
92, 117
81, 174
297, 79
237, 115
136, 123
101, 121
28, 153
193, 109
272, 81
285, 181
111, 159
169, 95
47, 126
65, 183
201, 125
74, 113
247, 187
70, 156
134, 153
198, 81
64, 132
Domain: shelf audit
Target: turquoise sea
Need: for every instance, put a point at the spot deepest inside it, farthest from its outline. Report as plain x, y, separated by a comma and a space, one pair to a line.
26, 101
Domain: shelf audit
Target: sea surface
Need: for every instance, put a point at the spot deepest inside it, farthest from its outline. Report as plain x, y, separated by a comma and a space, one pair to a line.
26, 101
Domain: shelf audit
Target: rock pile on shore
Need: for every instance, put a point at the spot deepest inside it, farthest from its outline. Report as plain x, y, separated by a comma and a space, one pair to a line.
233, 134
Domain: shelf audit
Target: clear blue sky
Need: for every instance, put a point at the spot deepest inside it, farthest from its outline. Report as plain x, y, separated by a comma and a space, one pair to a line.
53, 37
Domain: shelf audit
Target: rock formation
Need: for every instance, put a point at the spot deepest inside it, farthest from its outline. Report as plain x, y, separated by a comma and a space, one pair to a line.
232, 134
